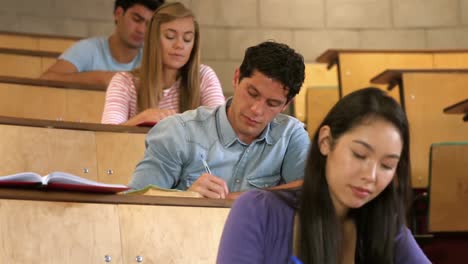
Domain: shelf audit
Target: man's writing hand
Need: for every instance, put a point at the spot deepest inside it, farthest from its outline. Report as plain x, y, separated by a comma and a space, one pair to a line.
210, 186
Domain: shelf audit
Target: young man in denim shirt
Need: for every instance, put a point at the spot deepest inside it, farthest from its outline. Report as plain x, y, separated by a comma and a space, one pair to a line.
245, 143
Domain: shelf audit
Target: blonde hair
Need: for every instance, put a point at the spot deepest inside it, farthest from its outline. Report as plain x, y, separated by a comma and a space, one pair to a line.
150, 84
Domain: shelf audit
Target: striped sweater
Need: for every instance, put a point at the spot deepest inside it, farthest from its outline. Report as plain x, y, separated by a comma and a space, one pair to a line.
121, 95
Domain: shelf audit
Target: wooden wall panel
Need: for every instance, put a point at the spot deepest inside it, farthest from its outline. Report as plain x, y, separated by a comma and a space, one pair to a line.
72, 151
84, 106
20, 65
43, 150
55, 45
41, 102
56, 232
32, 101
187, 235
36, 43
18, 42
451, 60
119, 153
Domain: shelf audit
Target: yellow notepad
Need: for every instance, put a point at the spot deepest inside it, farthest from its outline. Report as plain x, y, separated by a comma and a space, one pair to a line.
158, 191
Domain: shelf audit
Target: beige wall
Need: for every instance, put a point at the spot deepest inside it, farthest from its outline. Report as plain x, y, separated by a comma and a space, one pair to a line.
229, 26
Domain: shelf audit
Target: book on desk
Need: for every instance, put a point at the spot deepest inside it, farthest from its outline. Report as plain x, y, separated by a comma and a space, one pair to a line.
59, 181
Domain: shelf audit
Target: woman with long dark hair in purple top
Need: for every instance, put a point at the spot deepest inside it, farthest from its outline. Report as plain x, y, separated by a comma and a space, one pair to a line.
352, 205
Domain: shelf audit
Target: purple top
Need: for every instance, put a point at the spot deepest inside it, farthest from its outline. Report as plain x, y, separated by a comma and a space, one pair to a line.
259, 229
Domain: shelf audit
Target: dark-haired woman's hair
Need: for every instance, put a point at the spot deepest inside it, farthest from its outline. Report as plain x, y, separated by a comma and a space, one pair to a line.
378, 221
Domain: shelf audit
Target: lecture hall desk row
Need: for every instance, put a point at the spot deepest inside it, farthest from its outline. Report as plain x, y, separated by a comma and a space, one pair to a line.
355, 69
25, 63
53, 100
59, 227
424, 94
37, 42
29, 55
47, 227
103, 153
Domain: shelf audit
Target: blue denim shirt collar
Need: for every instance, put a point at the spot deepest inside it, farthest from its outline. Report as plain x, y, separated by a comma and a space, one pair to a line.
226, 133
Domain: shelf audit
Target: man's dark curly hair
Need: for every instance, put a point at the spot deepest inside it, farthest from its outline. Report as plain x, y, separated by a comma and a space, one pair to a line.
126, 4
277, 61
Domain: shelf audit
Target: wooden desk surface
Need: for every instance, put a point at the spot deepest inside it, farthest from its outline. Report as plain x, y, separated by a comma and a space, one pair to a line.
391, 76
37, 35
330, 56
35, 53
51, 84
7, 120
57, 196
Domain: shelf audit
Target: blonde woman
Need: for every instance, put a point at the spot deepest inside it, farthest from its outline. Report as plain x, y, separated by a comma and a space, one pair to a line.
170, 79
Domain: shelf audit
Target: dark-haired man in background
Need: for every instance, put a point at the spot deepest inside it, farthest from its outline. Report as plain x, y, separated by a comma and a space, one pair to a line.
95, 60
246, 143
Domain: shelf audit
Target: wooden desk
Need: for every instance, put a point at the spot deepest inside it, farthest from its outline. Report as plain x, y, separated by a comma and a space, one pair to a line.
424, 93
104, 153
38, 42
355, 68
458, 108
25, 63
316, 77
55, 100
58, 227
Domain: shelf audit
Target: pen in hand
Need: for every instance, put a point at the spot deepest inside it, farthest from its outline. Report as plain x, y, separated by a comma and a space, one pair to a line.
207, 168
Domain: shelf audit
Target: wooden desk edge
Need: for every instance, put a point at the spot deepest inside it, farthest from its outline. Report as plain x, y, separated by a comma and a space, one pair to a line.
7, 120
393, 77
332, 54
50, 83
27, 52
37, 35
57, 196
457, 108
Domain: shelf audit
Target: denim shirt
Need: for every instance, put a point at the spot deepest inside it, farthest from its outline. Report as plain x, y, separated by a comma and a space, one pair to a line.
176, 146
